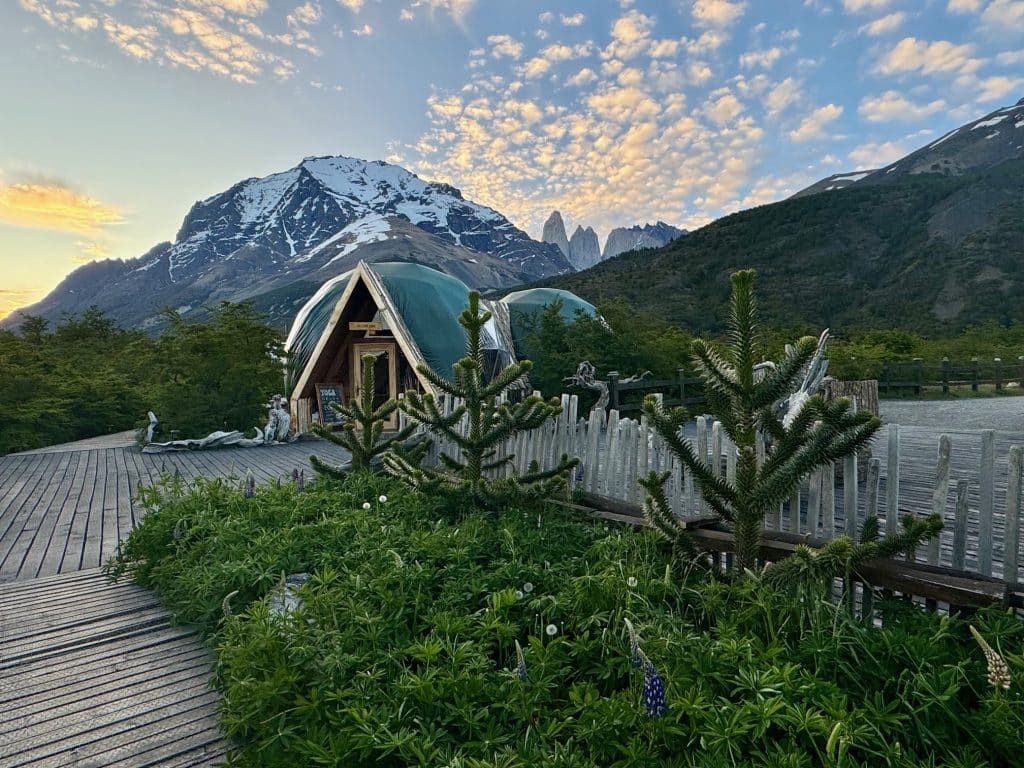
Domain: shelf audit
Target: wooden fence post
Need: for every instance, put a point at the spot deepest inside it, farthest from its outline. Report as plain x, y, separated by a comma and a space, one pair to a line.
613, 389
960, 526
997, 364
828, 500
987, 501
1011, 533
940, 491
918, 375
892, 481
612, 438
873, 483
814, 501
850, 494
591, 473
945, 375
682, 384
974, 374
1020, 370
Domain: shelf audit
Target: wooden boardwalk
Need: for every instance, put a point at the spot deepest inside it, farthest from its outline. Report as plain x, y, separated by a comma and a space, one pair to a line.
94, 675
66, 508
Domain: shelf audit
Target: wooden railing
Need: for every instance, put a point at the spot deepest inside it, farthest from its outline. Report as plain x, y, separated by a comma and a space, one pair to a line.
628, 397
917, 375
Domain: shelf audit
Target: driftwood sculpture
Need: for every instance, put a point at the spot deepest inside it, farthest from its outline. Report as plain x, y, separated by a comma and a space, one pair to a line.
789, 407
585, 378
278, 430
279, 421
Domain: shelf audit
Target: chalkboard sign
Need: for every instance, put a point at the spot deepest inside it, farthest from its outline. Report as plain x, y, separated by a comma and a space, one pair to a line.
325, 395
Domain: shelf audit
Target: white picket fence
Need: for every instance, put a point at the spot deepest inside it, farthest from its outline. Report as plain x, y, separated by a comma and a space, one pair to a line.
983, 537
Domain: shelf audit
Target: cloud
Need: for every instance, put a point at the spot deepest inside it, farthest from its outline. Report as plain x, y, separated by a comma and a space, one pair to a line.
53, 205
716, 13
584, 77
1003, 18
765, 59
964, 6
878, 154
1009, 58
353, 5
884, 24
941, 56
306, 14
893, 106
782, 96
995, 88
504, 45
859, 6
723, 107
630, 36
614, 143
535, 67
458, 9
16, 298
813, 126
573, 21
218, 36
364, 31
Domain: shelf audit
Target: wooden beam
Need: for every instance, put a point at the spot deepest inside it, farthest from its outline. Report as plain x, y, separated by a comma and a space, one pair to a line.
933, 582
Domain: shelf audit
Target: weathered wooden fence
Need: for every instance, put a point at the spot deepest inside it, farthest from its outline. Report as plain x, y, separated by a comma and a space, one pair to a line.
982, 538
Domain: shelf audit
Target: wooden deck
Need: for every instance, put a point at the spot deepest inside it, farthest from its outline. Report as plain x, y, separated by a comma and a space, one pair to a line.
93, 675
66, 508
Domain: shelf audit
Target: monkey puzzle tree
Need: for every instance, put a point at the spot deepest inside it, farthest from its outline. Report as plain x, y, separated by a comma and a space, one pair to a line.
804, 431
362, 433
478, 426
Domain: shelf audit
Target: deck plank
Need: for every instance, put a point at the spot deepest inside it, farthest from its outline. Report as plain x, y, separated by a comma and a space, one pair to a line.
67, 510
101, 682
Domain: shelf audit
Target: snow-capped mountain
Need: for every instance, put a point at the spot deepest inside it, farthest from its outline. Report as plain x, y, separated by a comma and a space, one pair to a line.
305, 225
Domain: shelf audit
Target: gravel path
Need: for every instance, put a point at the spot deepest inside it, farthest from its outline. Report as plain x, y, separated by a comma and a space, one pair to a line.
1000, 413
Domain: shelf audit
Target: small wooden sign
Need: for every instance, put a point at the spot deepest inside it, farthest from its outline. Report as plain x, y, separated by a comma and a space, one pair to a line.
370, 327
325, 395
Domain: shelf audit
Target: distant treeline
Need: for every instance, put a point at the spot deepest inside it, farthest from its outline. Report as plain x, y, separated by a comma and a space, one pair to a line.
633, 342
86, 376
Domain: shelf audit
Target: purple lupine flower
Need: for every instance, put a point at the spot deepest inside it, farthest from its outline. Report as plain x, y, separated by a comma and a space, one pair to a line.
302, 479
295, 475
520, 662
250, 486
654, 691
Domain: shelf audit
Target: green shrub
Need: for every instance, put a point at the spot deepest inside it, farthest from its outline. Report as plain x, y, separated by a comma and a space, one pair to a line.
403, 653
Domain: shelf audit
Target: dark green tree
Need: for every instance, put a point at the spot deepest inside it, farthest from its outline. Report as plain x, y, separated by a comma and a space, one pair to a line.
362, 432
217, 374
477, 426
745, 401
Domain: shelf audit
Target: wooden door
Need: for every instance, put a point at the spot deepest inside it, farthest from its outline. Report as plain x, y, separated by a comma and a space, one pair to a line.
385, 371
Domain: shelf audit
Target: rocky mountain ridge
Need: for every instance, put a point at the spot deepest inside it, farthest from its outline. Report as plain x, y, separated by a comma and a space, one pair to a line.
587, 249
933, 243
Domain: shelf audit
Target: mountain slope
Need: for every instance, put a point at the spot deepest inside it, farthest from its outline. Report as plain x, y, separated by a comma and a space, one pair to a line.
927, 251
305, 225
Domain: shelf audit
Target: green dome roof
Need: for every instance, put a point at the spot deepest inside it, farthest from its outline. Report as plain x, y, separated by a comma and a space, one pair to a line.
523, 306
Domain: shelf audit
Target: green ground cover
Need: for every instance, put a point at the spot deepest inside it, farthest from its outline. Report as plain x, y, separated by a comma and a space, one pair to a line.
403, 652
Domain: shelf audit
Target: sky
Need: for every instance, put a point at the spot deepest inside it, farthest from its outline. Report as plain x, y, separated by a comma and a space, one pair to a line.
117, 115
